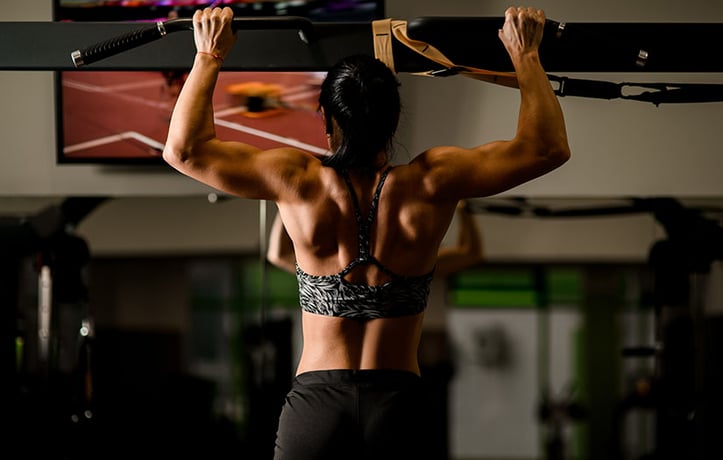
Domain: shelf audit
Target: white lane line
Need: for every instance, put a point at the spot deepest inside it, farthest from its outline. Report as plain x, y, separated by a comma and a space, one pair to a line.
271, 136
77, 84
126, 97
115, 138
159, 146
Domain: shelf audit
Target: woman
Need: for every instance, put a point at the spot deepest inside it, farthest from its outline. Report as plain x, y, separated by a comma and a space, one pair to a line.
435, 358
365, 235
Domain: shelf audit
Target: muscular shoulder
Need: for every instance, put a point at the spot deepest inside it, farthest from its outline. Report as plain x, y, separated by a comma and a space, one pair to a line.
301, 175
429, 174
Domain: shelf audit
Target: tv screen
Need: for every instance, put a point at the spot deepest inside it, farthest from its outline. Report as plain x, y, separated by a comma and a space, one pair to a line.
121, 117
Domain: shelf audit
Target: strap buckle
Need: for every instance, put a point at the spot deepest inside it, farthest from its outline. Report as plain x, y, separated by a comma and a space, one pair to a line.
447, 72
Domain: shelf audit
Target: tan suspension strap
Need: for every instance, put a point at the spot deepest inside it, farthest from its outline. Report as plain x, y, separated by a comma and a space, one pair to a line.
384, 29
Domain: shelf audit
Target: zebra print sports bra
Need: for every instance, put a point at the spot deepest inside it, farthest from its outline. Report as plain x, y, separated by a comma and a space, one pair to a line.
332, 295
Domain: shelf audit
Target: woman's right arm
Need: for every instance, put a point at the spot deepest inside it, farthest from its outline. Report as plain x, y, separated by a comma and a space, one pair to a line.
192, 146
540, 143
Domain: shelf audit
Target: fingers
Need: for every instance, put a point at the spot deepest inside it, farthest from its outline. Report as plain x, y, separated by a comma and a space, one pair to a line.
197, 15
224, 13
213, 31
520, 14
522, 29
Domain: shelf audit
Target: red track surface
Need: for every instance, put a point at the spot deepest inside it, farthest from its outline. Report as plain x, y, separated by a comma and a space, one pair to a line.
116, 115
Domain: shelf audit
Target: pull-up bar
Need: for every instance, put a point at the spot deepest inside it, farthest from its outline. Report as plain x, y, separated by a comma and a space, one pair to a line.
160, 29
275, 44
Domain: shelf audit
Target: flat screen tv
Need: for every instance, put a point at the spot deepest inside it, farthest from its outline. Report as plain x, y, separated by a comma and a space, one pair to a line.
126, 119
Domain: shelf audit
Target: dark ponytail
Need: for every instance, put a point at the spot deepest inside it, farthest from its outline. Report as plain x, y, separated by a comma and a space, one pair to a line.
361, 95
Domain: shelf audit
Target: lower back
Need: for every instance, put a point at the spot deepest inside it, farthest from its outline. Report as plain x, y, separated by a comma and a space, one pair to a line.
341, 343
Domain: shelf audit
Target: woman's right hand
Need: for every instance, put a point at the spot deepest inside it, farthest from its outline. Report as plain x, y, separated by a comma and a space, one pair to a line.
212, 31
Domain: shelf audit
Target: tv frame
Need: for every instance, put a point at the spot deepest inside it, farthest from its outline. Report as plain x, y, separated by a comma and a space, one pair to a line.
154, 10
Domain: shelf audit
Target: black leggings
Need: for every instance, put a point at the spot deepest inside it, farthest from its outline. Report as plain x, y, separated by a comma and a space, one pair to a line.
349, 414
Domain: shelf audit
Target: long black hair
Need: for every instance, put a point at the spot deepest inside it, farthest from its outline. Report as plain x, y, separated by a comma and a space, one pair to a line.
361, 95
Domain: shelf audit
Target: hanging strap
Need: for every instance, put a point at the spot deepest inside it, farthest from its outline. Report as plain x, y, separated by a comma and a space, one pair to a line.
382, 29
385, 29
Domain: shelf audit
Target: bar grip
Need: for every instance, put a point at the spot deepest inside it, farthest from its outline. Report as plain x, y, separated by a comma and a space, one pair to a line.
160, 29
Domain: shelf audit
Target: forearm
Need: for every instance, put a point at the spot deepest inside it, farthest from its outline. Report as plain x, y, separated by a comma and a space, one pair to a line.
540, 118
192, 120
468, 250
469, 238
541, 131
281, 250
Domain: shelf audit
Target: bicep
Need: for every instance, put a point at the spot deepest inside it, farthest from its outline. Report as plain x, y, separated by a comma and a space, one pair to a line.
243, 170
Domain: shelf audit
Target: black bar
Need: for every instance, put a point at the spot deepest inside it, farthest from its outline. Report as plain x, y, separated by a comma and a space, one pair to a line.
580, 47
116, 45
152, 32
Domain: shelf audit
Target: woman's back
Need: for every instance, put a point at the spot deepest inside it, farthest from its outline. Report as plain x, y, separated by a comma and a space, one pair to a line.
405, 233
376, 319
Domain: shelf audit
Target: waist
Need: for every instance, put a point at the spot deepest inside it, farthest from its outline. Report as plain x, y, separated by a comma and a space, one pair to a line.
356, 376
342, 343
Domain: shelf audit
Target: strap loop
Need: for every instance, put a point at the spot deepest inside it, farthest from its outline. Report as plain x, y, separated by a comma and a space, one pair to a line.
385, 28
382, 29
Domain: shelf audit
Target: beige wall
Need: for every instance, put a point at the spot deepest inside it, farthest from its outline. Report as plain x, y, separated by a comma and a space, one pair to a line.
620, 148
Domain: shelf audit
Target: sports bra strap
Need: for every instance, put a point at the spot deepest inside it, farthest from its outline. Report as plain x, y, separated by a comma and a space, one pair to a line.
365, 226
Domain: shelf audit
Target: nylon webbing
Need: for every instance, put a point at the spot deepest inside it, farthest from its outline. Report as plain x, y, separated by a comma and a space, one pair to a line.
382, 29
385, 29
383, 51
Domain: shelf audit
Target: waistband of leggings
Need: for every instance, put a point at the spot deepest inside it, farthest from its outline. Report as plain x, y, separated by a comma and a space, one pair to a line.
357, 376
